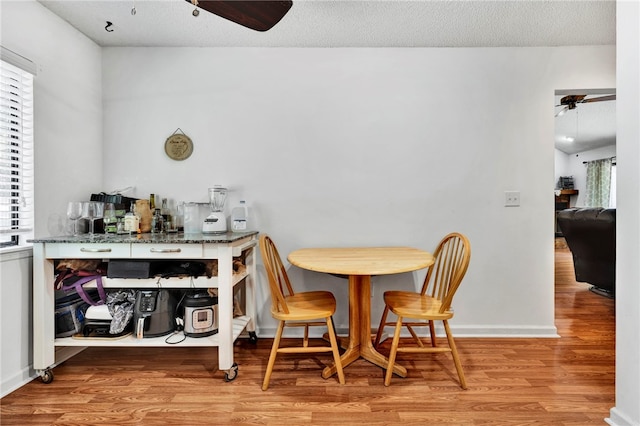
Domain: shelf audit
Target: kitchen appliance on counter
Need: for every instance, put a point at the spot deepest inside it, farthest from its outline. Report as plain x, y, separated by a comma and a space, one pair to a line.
200, 315
216, 222
154, 313
97, 323
194, 214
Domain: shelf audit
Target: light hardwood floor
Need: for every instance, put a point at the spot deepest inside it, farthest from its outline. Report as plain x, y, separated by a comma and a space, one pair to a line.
565, 381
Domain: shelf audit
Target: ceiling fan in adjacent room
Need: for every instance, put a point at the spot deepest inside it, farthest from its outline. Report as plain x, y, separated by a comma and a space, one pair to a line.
259, 15
570, 102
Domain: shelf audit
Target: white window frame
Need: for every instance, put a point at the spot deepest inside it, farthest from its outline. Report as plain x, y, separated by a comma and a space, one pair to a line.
614, 186
16, 149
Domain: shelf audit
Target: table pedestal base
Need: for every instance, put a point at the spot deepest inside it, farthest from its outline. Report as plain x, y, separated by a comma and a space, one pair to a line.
358, 344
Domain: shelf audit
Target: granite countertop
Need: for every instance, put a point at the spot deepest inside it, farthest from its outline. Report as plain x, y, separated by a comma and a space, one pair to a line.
164, 238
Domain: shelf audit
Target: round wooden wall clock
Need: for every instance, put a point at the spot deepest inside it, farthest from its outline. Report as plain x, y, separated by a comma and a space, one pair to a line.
178, 146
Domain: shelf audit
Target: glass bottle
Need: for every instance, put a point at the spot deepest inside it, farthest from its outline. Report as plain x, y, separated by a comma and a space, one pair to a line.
131, 221
167, 215
178, 218
157, 223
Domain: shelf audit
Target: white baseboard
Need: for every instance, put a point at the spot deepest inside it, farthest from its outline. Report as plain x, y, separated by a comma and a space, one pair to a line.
502, 331
616, 418
16, 381
459, 331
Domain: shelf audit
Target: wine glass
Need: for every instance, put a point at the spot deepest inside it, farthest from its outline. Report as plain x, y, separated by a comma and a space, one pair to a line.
110, 218
92, 210
74, 212
98, 210
87, 213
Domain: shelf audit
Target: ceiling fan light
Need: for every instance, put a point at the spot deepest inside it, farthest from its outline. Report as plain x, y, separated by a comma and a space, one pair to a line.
562, 111
562, 138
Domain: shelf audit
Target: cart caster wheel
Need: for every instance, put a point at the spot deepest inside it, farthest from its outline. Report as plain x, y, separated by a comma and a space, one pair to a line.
253, 338
232, 373
47, 376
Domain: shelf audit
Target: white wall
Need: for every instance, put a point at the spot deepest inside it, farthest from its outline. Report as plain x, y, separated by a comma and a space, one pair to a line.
364, 147
627, 410
68, 107
561, 163
68, 145
573, 165
16, 348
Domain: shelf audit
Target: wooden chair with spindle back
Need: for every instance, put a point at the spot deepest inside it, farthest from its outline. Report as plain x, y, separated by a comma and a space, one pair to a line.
432, 303
303, 309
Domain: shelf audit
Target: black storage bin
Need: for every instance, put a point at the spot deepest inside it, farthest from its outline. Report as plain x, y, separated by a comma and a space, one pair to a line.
69, 313
119, 200
129, 269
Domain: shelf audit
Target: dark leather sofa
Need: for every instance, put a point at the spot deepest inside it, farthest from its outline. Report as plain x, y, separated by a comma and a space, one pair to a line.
591, 236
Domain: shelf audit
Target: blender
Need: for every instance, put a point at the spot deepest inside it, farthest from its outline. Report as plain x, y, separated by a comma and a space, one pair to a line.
216, 222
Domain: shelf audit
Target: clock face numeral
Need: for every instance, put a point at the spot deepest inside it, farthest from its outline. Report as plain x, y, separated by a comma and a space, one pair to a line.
178, 147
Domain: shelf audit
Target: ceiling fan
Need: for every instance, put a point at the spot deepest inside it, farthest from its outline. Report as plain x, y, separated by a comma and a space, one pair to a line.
570, 102
259, 15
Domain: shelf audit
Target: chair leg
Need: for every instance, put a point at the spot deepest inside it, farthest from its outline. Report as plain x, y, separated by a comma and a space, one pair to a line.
454, 353
415, 336
376, 342
334, 349
272, 356
394, 351
432, 333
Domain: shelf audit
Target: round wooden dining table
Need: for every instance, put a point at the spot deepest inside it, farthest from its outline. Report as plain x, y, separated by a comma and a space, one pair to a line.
359, 264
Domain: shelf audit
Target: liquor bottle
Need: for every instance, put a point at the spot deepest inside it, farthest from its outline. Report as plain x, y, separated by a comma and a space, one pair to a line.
167, 215
157, 223
178, 218
152, 202
131, 221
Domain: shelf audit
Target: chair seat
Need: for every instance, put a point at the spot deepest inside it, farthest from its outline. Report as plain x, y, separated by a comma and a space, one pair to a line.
293, 309
415, 305
432, 303
308, 305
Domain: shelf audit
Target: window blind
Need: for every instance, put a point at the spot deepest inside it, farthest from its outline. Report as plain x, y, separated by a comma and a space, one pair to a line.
16, 153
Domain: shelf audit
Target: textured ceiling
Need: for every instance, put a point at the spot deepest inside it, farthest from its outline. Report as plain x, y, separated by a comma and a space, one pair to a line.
353, 23
373, 23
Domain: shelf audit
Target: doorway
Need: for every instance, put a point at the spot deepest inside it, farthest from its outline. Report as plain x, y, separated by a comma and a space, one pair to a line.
585, 131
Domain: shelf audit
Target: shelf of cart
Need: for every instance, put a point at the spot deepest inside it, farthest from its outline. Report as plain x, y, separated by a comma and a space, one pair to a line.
239, 324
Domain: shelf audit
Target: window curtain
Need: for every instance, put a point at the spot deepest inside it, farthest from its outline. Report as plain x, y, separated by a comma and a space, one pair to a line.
598, 183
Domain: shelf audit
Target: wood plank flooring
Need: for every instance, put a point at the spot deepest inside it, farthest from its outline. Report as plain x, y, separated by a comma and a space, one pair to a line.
560, 382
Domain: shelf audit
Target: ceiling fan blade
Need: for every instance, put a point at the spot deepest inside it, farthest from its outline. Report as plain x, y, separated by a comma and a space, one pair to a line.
259, 15
600, 99
571, 99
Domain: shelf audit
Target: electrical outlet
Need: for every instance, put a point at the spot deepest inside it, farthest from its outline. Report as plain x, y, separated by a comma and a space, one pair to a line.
512, 198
